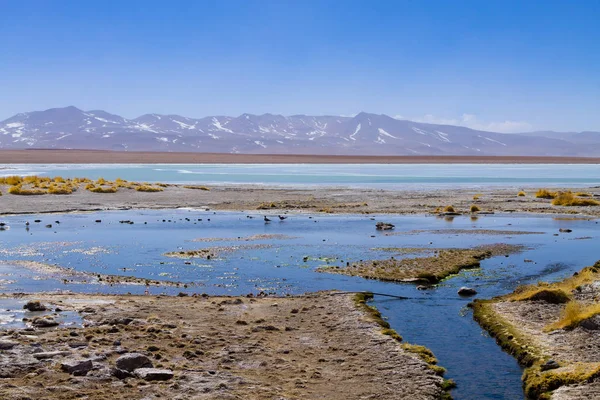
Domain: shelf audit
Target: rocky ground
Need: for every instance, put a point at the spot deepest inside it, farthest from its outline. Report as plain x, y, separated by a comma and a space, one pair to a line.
275, 200
563, 363
319, 346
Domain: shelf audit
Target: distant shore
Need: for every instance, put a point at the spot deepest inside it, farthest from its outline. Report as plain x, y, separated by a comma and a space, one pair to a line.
261, 200
40, 156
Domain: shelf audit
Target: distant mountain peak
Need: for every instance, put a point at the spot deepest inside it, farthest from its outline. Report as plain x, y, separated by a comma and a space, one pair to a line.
365, 133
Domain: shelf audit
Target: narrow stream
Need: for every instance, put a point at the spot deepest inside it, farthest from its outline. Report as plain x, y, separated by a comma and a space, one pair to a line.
284, 259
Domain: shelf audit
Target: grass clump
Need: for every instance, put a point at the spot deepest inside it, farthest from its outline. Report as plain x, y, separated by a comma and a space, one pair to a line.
449, 209
569, 199
19, 190
474, 208
539, 384
545, 194
11, 180
102, 189
360, 300
423, 352
477, 197
392, 333
507, 336
583, 194
196, 187
534, 293
573, 314
146, 188
521, 194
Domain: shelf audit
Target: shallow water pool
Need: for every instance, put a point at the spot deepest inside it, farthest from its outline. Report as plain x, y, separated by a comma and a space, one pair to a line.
282, 256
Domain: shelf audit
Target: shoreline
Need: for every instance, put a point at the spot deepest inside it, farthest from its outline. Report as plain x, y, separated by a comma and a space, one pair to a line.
52, 156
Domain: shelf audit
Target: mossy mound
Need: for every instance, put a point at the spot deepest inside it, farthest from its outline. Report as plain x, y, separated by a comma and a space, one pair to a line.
552, 296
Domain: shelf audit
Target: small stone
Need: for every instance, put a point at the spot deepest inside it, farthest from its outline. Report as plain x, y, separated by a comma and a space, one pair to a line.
548, 365
564, 230
466, 291
384, 226
154, 374
77, 367
133, 361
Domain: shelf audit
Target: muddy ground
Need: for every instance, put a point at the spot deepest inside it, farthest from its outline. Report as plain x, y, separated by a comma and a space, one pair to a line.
318, 346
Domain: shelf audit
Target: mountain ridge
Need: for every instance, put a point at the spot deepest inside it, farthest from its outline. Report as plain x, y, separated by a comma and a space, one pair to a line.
363, 134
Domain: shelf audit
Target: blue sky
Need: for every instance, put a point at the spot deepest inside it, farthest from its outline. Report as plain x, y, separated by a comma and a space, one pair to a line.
498, 65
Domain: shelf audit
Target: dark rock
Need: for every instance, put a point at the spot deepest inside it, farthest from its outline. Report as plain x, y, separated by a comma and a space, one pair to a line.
422, 287
120, 373
44, 355
548, 365
34, 305
384, 226
154, 374
77, 345
591, 324
133, 361
44, 322
564, 230
118, 321
264, 328
7, 344
77, 367
465, 291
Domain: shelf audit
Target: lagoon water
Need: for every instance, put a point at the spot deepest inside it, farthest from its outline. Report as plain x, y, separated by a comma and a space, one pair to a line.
437, 318
388, 176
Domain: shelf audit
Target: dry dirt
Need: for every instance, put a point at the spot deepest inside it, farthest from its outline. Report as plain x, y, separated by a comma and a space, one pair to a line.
318, 346
258, 200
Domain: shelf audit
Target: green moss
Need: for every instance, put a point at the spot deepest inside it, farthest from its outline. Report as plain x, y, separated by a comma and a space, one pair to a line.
423, 352
392, 333
506, 335
552, 296
360, 300
539, 384
448, 384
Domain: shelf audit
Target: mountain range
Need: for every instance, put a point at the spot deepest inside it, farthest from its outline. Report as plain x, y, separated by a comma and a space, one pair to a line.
363, 134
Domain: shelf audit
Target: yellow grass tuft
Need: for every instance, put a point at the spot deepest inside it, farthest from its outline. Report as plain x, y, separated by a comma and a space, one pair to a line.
449, 209
146, 188
475, 209
196, 187
101, 189
522, 194
545, 194
477, 197
573, 314
569, 199
583, 194
18, 190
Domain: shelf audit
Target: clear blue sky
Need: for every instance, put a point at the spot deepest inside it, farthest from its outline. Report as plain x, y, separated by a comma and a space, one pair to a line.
535, 64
